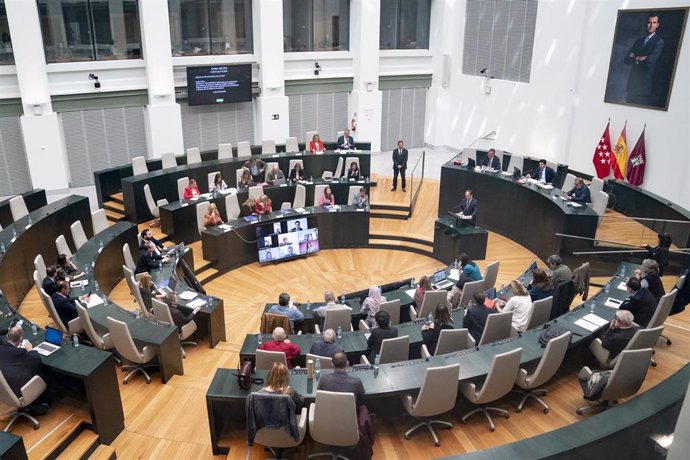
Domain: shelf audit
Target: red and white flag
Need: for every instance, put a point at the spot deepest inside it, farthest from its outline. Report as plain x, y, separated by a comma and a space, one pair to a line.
636, 162
602, 154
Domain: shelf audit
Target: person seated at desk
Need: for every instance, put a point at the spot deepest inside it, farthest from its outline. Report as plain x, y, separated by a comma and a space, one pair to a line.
560, 272
455, 292
49, 283
286, 308
329, 298
641, 303
148, 259
327, 199
64, 305
248, 207
326, 346
180, 315
245, 179
340, 382
619, 332
353, 172
146, 235
648, 275
66, 270
431, 332
579, 193
280, 342
315, 145
218, 184
544, 174
192, 190
361, 200
297, 173
469, 208
491, 161
257, 169
476, 316
540, 287
262, 205
274, 175
423, 286
520, 304
147, 289
660, 252
278, 383
469, 268
371, 305
212, 217
382, 331
345, 142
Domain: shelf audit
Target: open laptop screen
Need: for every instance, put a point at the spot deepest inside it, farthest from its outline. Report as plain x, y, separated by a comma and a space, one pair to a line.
53, 336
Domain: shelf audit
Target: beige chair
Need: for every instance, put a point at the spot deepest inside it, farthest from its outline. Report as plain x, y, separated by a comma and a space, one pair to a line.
193, 156
491, 275
431, 300
161, 312
293, 163
318, 192
468, 291
200, 213
224, 151
62, 246
346, 166
232, 207
353, 191
30, 391
341, 431
238, 176
392, 351
268, 146
102, 342
540, 313
78, 235
139, 166
663, 308
99, 221
270, 165
244, 149
599, 202
182, 183
168, 160
327, 175
291, 145
40, 267
339, 169
437, 396
300, 197
154, 206
210, 177
548, 365
625, 380
18, 207
127, 257
125, 347
278, 438
597, 185
498, 383
449, 341
498, 327
132, 281
568, 183
309, 136
256, 191
74, 326
326, 362
265, 359
392, 307
643, 338
339, 317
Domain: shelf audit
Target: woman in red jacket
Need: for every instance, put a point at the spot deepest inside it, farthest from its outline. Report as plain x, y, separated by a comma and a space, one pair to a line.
191, 191
316, 145
263, 205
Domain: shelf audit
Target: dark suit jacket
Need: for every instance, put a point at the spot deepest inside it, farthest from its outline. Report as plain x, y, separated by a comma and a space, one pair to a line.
642, 305
400, 160
614, 340
154, 241
470, 209
66, 308
181, 316
430, 337
475, 320
340, 382
322, 348
654, 284
548, 171
49, 286
18, 365
642, 73
147, 262
660, 254
495, 162
378, 335
341, 141
580, 195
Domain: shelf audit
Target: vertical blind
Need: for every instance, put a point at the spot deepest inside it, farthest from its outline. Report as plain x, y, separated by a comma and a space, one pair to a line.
14, 171
325, 113
206, 126
403, 116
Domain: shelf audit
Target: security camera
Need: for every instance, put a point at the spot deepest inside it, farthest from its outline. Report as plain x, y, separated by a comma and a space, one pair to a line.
317, 68
96, 83
483, 71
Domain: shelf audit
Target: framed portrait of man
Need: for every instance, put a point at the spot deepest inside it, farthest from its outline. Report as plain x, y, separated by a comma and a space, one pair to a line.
646, 46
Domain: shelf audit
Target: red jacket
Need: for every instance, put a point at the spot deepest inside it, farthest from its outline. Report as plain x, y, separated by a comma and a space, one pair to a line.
316, 147
291, 350
190, 192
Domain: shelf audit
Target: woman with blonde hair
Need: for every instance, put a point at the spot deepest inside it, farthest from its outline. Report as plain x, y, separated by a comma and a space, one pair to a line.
423, 286
147, 289
263, 205
520, 304
212, 217
278, 382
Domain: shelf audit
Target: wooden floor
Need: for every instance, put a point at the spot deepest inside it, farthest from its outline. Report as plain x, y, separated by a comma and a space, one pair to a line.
170, 421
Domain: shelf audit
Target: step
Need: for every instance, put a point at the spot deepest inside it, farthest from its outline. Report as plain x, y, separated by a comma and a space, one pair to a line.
386, 214
103, 452
155, 231
46, 446
119, 197
422, 241
207, 275
390, 205
115, 206
85, 443
393, 244
114, 216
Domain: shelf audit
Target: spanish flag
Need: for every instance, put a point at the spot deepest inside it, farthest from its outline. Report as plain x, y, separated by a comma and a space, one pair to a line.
620, 151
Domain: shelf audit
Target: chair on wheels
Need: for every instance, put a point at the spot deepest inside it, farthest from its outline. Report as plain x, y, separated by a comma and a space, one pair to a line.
450, 340
663, 309
244, 149
392, 307
161, 313
62, 246
341, 317
232, 206
102, 342
625, 380
268, 146
300, 197
469, 290
74, 326
30, 391
193, 156
168, 160
491, 275
326, 362
224, 151
563, 296
78, 235
18, 207
392, 351
182, 184
265, 359
127, 257
125, 347
548, 365
568, 182
498, 383
291, 145
437, 396
539, 313
643, 338
498, 327
154, 206
99, 221
318, 191
40, 266
139, 166
430, 301
277, 437
339, 432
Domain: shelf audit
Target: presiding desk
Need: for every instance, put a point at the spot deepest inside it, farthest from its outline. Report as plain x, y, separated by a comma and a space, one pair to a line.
163, 183
526, 213
179, 221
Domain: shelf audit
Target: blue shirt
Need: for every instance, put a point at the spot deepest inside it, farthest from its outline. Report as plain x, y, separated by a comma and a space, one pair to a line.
293, 314
472, 272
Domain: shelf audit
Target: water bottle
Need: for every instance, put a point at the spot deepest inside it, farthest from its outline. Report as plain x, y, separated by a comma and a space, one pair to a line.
623, 271
430, 318
591, 306
308, 306
412, 284
607, 287
75, 339
317, 368
455, 264
34, 329
311, 178
340, 332
137, 313
100, 245
260, 340
30, 220
2, 247
95, 286
14, 234
377, 361
160, 264
86, 270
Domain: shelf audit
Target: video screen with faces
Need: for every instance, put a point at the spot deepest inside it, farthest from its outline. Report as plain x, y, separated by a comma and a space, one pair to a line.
287, 239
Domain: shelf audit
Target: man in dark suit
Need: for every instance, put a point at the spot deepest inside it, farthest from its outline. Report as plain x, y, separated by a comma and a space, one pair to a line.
643, 57
641, 302
469, 207
620, 331
543, 173
49, 284
64, 304
148, 259
491, 161
345, 142
399, 166
326, 346
18, 363
340, 382
379, 334
580, 193
147, 236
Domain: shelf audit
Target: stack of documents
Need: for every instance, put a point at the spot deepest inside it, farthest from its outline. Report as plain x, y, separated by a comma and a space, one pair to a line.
591, 322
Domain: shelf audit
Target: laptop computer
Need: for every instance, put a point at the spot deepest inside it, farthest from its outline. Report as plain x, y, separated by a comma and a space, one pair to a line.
167, 286
51, 343
471, 163
517, 174
439, 280
533, 266
491, 293
279, 181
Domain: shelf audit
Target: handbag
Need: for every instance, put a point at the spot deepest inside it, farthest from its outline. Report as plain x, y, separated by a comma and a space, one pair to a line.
245, 370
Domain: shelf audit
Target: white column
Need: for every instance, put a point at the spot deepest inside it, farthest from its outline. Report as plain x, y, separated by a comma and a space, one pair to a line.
162, 115
272, 107
366, 99
41, 128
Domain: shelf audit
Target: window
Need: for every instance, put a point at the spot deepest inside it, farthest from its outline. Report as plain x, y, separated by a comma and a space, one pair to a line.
6, 54
499, 37
205, 27
90, 30
405, 24
316, 25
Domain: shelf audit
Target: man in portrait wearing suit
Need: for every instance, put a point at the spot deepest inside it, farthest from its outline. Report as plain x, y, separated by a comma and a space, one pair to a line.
543, 173
345, 142
469, 207
643, 57
399, 166
491, 161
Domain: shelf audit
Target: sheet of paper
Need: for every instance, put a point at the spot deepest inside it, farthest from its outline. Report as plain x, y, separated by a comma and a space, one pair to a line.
454, 273
196, 303
622, 286
94, 299
586, 325
78, 284
225, 227
613, 303
594, 319
411, 292
506, 173
575, 205
188, 295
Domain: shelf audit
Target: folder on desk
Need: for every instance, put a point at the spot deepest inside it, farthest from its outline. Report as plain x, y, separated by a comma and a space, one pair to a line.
188, 295
613, 303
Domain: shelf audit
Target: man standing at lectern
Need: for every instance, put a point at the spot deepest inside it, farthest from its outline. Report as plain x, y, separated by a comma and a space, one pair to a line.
399, 166
469, 207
